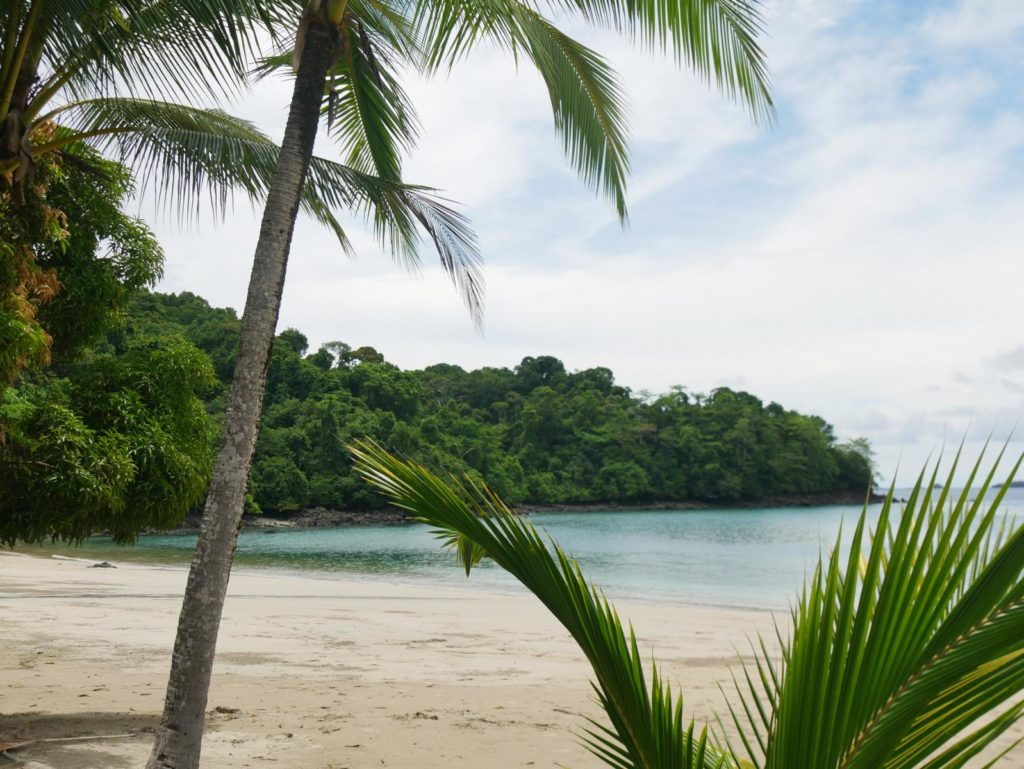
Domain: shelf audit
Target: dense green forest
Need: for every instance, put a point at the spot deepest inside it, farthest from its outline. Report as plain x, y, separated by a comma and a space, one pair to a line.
536, 433
90, 441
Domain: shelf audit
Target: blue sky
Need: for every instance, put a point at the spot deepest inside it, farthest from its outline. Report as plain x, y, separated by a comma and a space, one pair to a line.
862, 259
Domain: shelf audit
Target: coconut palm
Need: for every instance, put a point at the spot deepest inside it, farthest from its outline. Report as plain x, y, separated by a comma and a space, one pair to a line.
125, 76
906, 646
347, 56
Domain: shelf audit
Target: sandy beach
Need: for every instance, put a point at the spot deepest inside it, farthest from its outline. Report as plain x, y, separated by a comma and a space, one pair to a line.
321, 674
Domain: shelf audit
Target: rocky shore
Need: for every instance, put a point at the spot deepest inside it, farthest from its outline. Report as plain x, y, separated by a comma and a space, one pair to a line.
315, 517
789, 500
311, 518
322, 517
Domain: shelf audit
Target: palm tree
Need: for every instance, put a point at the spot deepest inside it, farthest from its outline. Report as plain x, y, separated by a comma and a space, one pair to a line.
71, 61
122, 76
346, 54
906, 647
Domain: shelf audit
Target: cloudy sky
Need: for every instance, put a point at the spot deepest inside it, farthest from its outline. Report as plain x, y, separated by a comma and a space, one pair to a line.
863, 259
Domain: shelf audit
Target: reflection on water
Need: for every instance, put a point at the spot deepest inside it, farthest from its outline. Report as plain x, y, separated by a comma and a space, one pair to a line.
755, 558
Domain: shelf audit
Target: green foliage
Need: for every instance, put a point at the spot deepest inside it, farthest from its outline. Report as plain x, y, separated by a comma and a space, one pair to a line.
539, 433
279, 484
716, 38
902, 641
121, 444
24, 284
214, 331
106, 256
95, 442
906, 648
62, 287
127, 79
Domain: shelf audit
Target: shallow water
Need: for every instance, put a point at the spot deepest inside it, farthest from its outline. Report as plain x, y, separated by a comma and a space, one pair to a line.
748, 558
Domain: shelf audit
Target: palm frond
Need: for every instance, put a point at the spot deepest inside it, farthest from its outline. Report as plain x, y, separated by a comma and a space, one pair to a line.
187, 155
369, 112
391, 27
907, 643
366, 108
456, 244
170, 49
646, 726
718, 39
906, 650
395, 209
586, 97
588, 105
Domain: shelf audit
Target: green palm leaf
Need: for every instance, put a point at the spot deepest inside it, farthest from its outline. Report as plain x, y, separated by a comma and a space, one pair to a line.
189, 155
906, 649
368, 110
587, 102
171, 49
586, 98
646, 726
716, 38
915, 638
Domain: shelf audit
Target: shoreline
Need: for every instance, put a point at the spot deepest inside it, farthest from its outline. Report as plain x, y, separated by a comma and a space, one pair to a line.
324, 674
317, 673
387, 580
773, 502
321, 517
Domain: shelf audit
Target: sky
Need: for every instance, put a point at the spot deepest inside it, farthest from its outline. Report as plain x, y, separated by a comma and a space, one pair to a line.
861, 259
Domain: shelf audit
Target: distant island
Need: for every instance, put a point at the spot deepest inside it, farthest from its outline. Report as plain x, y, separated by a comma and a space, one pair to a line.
539, 434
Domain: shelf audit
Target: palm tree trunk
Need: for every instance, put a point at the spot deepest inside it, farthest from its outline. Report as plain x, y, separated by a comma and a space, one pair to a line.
15, 151
179, 736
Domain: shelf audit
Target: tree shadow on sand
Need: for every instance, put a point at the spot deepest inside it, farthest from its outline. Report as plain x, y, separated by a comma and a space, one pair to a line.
76, 740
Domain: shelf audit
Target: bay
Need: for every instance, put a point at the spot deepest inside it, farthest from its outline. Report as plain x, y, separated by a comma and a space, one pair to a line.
754, 558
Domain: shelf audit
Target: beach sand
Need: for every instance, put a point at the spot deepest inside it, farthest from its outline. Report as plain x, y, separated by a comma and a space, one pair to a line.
317, 674
326, 674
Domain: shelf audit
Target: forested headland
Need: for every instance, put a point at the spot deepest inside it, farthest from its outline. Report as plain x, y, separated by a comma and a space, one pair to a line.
537, 433
112, 399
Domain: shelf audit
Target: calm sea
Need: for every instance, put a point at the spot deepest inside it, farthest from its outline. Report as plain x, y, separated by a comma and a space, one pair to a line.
747, 558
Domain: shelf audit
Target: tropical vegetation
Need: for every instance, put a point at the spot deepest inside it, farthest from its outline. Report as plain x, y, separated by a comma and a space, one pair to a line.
538, 433
99, 101
95, 441
904, 649
115, 89
118, 433
116, 445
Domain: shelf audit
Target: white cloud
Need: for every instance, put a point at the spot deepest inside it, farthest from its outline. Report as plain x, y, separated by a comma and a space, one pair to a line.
1011, 360
485, 130
976, 22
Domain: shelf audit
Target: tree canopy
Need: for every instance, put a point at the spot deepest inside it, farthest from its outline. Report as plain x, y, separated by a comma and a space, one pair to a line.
537, 432
119, 445
94, 92
92, 441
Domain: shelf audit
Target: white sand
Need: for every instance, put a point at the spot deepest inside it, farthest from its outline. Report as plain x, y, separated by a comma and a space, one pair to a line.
323, 674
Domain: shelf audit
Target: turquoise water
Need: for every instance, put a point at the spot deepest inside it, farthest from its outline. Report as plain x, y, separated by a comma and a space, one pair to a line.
750, 558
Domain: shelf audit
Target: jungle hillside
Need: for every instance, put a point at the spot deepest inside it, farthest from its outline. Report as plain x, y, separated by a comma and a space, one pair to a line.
538, 433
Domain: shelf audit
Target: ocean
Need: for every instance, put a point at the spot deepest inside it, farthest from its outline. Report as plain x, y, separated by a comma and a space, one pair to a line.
753, 558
